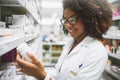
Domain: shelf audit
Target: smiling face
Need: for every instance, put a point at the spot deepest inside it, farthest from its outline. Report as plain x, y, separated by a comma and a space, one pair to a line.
73, 24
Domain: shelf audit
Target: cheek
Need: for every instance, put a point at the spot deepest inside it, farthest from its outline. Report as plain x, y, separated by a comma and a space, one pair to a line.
79, 31
80, 28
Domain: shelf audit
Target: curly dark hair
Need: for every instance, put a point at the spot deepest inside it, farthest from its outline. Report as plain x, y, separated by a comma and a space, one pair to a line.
96, 15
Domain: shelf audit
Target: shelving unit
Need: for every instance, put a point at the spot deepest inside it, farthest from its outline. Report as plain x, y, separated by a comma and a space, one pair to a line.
112, 1
115, 61
117, 56
8, 43
9, 71
112, 73
29, 27
113, 39
51, 53
116, 18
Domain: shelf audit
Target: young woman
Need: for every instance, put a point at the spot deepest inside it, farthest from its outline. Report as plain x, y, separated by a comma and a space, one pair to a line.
84, 57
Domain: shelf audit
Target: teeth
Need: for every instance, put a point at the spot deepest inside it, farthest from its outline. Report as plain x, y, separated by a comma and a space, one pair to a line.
70, 30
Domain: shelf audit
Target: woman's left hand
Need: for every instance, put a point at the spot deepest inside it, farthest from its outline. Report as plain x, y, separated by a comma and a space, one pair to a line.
34, 68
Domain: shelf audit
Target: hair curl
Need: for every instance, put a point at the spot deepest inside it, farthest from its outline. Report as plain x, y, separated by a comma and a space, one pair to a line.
96, 15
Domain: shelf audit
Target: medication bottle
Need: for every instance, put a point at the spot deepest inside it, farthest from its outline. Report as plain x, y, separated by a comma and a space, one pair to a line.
24, 49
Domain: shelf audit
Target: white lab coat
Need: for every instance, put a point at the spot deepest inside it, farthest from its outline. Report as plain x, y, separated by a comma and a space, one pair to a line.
85, 62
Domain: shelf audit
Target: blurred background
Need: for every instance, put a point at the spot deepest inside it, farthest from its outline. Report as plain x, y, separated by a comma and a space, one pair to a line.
37, 22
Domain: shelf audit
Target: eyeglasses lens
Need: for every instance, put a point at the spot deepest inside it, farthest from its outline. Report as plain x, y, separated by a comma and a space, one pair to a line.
72, 20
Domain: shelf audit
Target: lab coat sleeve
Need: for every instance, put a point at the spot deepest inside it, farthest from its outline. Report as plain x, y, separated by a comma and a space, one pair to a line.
51, 75
94, 65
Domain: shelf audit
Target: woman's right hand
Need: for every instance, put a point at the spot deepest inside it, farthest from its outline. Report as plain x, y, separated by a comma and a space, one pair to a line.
34, 68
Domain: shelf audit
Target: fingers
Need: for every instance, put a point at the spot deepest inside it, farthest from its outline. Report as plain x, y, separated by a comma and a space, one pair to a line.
18, 55
23, 62
34, 59
19, 70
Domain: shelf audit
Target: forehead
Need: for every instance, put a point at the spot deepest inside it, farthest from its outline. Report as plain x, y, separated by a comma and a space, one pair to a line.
68, 13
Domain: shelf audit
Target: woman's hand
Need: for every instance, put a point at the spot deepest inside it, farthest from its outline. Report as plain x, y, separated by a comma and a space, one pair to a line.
34, 69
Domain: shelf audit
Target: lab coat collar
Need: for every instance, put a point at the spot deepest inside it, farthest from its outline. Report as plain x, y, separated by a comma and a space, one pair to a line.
83, 44
87, 40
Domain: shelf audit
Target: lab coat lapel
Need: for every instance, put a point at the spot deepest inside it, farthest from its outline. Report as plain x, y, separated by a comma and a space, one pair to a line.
64, 54
81, 47
75, 50
68, 47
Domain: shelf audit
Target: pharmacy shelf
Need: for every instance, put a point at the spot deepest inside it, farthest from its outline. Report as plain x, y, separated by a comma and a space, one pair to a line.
112, 1
8, 72
117, 56
51, 53
111, 37
53, 43
116, 18
9, 43
56, 51
35, 46
11, 5
30, 37
13, 2
49, 65
14, 77
35, 16
54, 58
107, 69
31, 8
22, 2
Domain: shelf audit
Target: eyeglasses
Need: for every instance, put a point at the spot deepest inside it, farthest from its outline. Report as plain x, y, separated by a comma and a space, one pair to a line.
72, 20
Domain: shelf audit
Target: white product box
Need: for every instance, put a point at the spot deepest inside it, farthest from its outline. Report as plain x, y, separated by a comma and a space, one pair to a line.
2, 24
19, 19
16, 26
17, 29
24, 49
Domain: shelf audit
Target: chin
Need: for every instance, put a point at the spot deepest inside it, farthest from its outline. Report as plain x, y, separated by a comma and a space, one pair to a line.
73, 36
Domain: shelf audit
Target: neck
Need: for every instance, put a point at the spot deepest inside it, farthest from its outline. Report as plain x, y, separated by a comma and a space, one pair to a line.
80, 38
